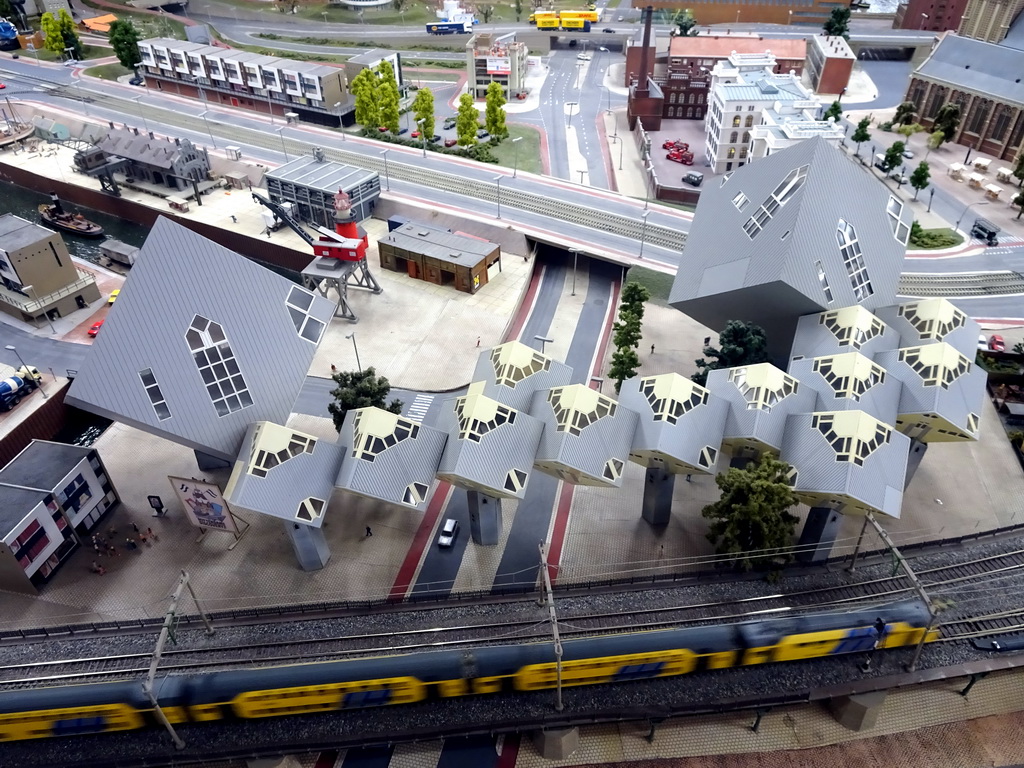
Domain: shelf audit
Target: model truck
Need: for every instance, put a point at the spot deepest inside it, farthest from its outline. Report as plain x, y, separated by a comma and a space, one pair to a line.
16, 384
449, 27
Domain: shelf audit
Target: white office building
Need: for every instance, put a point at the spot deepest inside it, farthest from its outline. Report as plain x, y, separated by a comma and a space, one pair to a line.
742, 87
783, 126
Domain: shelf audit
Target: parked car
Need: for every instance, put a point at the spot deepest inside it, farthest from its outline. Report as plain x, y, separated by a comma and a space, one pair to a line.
908, 154
449, 532
619, 18
483, 134
95, 328
584, 56
450, 142
996, 343
136, 81
402, 131
2, 86
609, 30
983, 343
449, 123
415, 134
899, 177
434, 139
113, 295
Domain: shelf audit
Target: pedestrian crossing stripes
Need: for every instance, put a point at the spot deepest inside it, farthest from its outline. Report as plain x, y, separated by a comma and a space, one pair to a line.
1007, 239
419, 407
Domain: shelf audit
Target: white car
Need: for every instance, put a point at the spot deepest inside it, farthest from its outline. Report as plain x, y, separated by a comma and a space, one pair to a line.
584, 56
983, 343
449, 532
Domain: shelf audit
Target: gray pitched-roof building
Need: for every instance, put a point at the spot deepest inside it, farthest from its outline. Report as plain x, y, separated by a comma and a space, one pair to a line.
848, 461
283, 473
389, 457
847, 329
172, 163
490, 446
512, 372
586, 438
680, 423
929, 321
942, 392
760, 398
201, 344
775, 241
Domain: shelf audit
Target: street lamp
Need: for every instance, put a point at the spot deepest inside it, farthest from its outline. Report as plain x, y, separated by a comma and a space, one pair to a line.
324, 14
931, 194
515, 155
498, 180
355, 347
280, 133
336, 105
647, 184
643, 232
924, 18
575, 257
737, 17
622, 146
423, 135
387, 176
24, 365
141, 113
790, 22
35, 53
207, 123
570, 105
956, 227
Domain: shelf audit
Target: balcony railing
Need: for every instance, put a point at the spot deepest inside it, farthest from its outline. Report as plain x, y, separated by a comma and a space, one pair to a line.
34, 306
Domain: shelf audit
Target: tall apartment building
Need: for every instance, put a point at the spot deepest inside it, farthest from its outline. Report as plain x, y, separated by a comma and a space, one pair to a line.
741, 88
38, 279
989, 20
490, 58
829, 63
931, 15
317, 93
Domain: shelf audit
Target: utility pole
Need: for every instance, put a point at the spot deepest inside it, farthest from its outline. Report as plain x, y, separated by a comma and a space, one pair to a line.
914, 581
553, 618
167, 631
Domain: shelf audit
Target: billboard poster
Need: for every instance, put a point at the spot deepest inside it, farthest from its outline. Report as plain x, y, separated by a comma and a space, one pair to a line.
499, 65
203, 503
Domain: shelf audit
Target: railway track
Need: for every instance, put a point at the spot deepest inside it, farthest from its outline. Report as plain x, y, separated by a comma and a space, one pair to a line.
934, 285
970, 574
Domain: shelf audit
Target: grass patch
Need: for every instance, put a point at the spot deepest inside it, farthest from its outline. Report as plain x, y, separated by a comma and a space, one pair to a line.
528, 149
421, 75
108, 71
658, 283
282, 54
930, 239
88, 52
336, 43
148, 25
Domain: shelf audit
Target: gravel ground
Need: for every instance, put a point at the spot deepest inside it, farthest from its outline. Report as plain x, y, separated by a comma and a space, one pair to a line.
636, 698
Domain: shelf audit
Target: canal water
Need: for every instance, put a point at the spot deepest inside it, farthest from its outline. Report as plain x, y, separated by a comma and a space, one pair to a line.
25, 203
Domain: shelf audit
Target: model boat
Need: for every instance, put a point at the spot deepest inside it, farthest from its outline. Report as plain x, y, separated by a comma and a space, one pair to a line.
55, 216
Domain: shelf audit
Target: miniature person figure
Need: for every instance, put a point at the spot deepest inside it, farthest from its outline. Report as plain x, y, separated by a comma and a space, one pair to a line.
152, 535
112, 551
130, 543
97, 568
135, 527
144, 539
369, 533
652, 349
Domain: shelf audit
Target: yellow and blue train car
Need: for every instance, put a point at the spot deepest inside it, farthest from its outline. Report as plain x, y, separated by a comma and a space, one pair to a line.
404, 679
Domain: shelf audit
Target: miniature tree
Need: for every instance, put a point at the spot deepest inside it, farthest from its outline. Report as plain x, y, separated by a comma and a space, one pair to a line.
423, 110
517, 6
838, 23
387, 97
686, 23
920, 177
364, 89
835, 111
1018, 168
69, 34
53, 39
947, 121
624, 365
466, 121
486, 12
494, 114
739, 343
359, 389
124, 39
751, 520
905, 113
893, 156
861, 134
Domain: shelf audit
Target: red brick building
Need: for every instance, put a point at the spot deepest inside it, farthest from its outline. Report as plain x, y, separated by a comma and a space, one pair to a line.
829, 63
932, 15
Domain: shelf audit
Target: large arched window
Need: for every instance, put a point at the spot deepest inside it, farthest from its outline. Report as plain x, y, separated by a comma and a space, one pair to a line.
750, 121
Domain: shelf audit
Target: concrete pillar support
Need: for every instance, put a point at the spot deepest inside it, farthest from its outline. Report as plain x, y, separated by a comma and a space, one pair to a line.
819, 534
484, 518
917, 451
858, 712
558, 743
658, 487
310, 546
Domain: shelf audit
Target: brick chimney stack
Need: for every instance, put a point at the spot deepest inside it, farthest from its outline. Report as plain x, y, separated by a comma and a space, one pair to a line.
642, 89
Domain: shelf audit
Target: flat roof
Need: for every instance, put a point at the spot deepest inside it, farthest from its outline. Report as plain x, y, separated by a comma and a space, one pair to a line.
324, 176
722, 46
16, 232
15, 503
443, 246
42, 465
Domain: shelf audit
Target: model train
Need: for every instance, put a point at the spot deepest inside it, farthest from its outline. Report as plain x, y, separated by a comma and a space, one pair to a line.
391, 680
